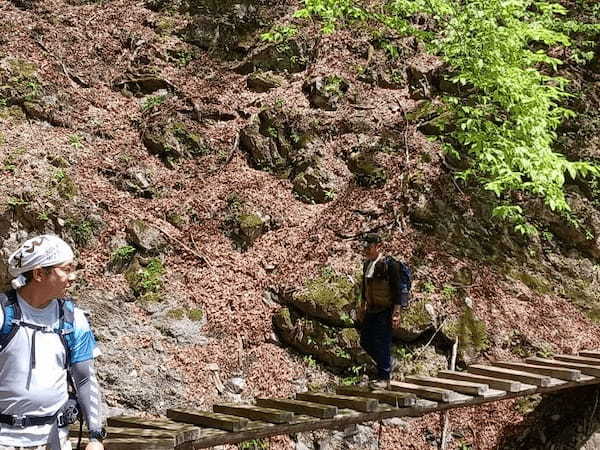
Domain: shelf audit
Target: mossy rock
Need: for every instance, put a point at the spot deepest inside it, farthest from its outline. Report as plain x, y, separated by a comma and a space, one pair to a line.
330, 297
313, 185
145, 278
19, 81
415, 321
12, 114
193, 314
536, 283
367, 172
144, 237
326, 92
172, 141
471, 332
263, 81
291, 56
337, 348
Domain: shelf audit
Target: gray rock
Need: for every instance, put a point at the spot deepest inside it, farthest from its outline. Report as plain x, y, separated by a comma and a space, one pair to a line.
313, 185
326, 92
236, 385
146, 238
263, 81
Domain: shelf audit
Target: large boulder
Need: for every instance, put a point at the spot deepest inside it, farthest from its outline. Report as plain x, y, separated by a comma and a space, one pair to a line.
330, 297
146, 238
366, 170
313, 185
418, 319
339, 348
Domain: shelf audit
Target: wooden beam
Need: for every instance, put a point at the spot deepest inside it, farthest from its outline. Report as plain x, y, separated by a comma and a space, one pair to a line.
183, 432
299, 407
593, 371
429, 393
132, 444
208, 419
120, 432
255, 412
495, 383
519, 375
590, 354
397, 399
341, 401
343, 419
464, 387
560, 373
578, 359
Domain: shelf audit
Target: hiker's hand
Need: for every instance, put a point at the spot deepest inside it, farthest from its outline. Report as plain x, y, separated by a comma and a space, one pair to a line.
94, 445
360, 313
396, 315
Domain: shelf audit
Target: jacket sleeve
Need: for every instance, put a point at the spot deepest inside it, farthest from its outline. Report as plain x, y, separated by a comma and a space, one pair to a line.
88, 393
400, 292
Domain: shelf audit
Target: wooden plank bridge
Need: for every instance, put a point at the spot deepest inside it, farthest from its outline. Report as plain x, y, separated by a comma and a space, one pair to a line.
416, 396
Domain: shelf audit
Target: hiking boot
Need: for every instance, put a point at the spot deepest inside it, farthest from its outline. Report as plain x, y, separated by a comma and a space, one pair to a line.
380, 384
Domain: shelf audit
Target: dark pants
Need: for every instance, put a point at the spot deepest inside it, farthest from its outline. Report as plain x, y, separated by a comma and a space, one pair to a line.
376, 339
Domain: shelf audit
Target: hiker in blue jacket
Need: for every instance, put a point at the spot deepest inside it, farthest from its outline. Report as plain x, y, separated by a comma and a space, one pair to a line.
45, 344
385, 291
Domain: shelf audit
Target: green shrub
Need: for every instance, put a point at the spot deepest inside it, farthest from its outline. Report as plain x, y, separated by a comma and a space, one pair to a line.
122, 256
146, 281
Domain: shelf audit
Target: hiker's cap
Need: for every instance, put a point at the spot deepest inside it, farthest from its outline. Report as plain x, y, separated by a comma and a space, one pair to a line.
41, 251
371, 239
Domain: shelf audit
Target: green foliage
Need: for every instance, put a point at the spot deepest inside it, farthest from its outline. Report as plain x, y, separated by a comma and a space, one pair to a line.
449, 292
152, 102
64, 184
428, 287
254, 444
10, 161
279, 34
75, 141
310, 361
82, 231
146, 282
122, 256
510, 110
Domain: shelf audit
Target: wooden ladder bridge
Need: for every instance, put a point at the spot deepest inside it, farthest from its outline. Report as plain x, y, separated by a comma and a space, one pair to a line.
187, 429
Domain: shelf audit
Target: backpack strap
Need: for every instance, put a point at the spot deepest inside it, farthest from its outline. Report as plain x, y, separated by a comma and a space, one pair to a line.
12, 318
65, 326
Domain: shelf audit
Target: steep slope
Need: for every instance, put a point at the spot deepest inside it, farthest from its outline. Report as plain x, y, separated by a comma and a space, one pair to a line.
122, 111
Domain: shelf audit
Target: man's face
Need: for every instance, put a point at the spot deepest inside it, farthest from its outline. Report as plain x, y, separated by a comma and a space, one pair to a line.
57, 279
371, 251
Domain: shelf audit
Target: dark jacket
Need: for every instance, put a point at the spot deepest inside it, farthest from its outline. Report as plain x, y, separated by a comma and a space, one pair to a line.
389, 268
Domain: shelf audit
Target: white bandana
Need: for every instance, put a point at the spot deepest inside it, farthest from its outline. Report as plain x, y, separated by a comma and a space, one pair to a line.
42, 251
371, 266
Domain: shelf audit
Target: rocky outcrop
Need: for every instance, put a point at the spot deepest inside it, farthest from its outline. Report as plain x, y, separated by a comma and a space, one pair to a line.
313, 185
172, 140
326, 92
362, 163
337, 348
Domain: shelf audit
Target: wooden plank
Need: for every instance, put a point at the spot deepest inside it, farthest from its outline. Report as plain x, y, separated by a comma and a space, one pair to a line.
429, 393
120, 432
590, 354
464, 387
208, 419
593, 371
492, 382
560, 373
341, 401
299, 407
344, 418
131, 444
519, 375
578, 359
397, 399
255, 412
183, 432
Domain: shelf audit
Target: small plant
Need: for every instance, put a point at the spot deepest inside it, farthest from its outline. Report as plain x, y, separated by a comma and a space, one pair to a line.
449, 292
13, 202
34, 90
254, 444
310, 361
428, 287
122, 256
146, 281
153, 101
279, 34
65, 186
82, 231
75, 141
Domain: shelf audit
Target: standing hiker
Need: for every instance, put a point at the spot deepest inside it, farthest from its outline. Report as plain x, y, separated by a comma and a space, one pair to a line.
46, 344
385, 290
